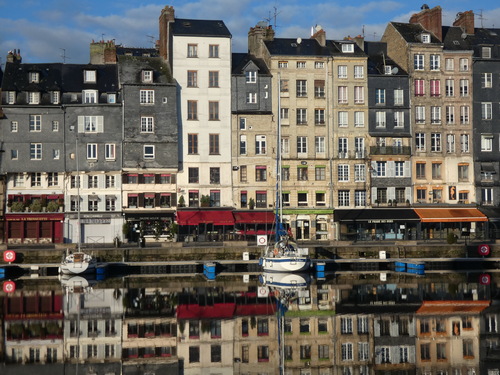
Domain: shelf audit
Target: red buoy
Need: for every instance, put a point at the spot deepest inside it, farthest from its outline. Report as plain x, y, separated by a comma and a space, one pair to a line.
483, 250
9, 256
484, 279
9, 287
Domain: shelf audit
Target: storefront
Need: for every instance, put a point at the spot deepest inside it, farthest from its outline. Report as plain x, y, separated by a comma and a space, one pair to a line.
437, 223
376, 224
95, 229
152, 224
250, 224
492, 229
34, 228
205, 225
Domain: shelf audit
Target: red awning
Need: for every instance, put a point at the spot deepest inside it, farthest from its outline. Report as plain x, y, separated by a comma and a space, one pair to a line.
205, 217
258, 309
449, 215
254, 217
218, 310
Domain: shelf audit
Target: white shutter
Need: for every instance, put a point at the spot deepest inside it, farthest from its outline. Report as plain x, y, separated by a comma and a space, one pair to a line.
406, 169
390, 168
100, 124
81, 124
391, 192
374, 194
408, 191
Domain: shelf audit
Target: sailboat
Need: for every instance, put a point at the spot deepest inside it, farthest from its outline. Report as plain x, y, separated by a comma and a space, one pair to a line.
283, 255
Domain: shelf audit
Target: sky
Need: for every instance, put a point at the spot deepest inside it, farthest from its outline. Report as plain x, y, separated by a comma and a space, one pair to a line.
61, 30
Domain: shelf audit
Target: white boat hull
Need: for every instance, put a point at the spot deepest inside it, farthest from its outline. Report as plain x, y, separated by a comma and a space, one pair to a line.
78, 263
285, 280
285, 264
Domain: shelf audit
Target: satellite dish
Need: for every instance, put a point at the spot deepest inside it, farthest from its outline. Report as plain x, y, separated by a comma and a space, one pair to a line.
464, 35
395, 70
299, 40
319, 27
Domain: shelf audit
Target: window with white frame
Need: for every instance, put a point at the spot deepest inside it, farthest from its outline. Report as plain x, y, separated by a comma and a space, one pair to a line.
464, 114
251, 76
301, 116
363, 351
420, 114
93, 181
435, 87
90, 96
301, 64
320, 145
419, 87
147, 124
347, 47
55, 126
301, 88
486, 111
147, 76
33, 77
319, 88
149, 152
343, 98
359, 119
344, 198
192, 50
399, 119
425, 37
111, 98
213, 51
359, 71
56, 154
251, 97
464, 87
319, 65
90, 124
14, 126
89, 76
110, 203
260, 145
359, 95
343, 119
302, 145
342, 71
347, 352
450, 114
35, 151
359, 147
359, 173
93, 205
418, 61
360, 198
486, 142
420, 141
380, 119
398, 97
449, 64
464, 65
243, 144
343, 147
146, 96
110, 181
464, 143
379, 96
35, 123
449, 87
450, 143
92, 151
381, 168
435, 142
11, 97
33, 97
435, 115
54, 97
486, 80
282, 64
343, 172
35, 179
435, 62
284, 113
110, 151
52, 179
285, 145
319, 116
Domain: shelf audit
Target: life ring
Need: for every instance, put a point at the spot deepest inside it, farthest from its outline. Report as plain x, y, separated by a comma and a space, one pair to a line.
485, 279
275, 251
9, 256
9, 286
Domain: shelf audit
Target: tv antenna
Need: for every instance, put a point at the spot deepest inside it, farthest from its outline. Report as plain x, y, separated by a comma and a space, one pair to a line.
481, 17
64, 57
274, 17
152, 39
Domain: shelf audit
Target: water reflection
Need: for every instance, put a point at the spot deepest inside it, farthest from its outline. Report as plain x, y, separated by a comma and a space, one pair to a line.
344, 323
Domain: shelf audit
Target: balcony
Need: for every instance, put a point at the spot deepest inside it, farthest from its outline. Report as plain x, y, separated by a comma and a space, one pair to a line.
390, 150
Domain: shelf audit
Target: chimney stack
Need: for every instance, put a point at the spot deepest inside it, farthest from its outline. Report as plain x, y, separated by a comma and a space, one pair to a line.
465, 20
319, 35
430, 19
167, 16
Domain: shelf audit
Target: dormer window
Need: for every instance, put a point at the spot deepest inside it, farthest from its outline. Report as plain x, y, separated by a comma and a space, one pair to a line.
54, 97
11, 97
89, 76
251, 76
33, 97
348, 47
388, 69
425, 37
34, 77
486, 52
147, 76
90, 96
301, 64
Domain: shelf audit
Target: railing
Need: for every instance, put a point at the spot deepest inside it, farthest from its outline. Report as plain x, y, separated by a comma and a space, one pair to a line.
390, 150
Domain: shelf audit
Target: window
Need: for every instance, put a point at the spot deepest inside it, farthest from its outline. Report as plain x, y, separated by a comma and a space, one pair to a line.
213, 111
418, 62
92, 151
213, 78
149, 152
89, 76
52, 178
251, 98
486, 111
319, 65
343, 172
110, 151
380, 119
147, 124
213, 51
33, 77
260, 173
398, 97
435, 62
347, 353
192, 110
450, 143
435, 142
450, 114
93, 203
359, 198
283, 64
359, 95
75, 182
14, 154
93, 182
464, 143
449, 64
435, 86
320, 173
35, 123
463, 172
214, 144
419, 87
399, 169
284, 114
343, 119
343, 149
110, 181
302, 145
486, 143
435, 115
436, 171
425, 352
319, 88
33, 97
260, 144
420, 141
11, 97
36, 151
215, 353
464, 65
90, 96
112, 98
90, 124
342, 71
301, 116
342, 91
468, 348
319, 143
261, 199
486, 80
192, 50
464, 114
420, 170
359, 119
359, 173
381, 168
147, 76
343, 198
420, 114
243, 144
284, 86
55, 126
192, 78
194, 354
449, 87
302, 200
192, 144
487, 195
36, 179
347, 47
319, 117
464, 87
262, 353
379, 96
251, 76
399, 119
359, 71
301, 87
426, 38
146, 96
385, 355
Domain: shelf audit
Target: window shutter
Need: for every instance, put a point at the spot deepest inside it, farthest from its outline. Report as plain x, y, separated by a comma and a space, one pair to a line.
140, 199
408, 193
100, 124
391, 192
124, 178
173, 199
157, 199
406, 169
390, 168
81, 126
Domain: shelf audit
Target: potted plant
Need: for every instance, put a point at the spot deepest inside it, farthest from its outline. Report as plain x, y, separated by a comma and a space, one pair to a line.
17, 207
125, 230
52, 206
182, 202
251, 203
36, 206
205, 201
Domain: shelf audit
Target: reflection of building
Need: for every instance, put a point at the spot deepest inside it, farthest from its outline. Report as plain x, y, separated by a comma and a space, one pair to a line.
448, 335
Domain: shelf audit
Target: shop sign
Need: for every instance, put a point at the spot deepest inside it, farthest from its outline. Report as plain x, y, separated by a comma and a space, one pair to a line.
380, 221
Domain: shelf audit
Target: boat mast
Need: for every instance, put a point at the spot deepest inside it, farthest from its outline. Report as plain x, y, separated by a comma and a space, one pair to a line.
279, 197
78, 182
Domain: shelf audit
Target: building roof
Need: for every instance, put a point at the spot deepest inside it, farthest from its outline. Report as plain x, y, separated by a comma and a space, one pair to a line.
137, 51
378, 60
241, 60
130, 68
294, 47
203, 28
411, 31
454, 39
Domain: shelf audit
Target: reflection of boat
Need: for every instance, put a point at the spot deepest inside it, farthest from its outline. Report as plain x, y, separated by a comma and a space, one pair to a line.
284, 255
78, 263
76, 284
285, 287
